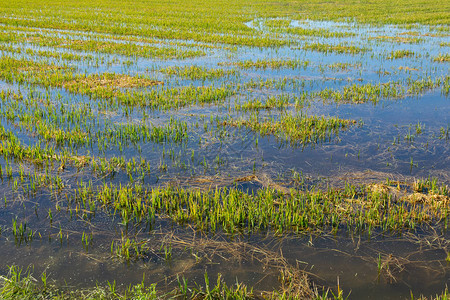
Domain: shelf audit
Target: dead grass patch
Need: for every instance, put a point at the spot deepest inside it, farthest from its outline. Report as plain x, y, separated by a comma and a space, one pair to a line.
112, 80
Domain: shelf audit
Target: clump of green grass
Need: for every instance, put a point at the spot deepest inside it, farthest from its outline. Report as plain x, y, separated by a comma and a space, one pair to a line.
400, 54
353, 209
361, 93
431, 186
339, 48
298, 129
22, 285
317, 32
60, 56
358, 93
271, 102
398, 39
442, 58
277, 23
19, 284
342, 66
196, 72
270, 63
283, 26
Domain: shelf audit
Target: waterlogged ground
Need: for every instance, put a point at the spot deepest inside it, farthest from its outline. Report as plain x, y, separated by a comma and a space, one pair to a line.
298, 153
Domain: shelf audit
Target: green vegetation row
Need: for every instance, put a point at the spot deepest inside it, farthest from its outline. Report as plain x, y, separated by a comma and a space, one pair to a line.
270, 63
115, 87
210, 21
20, 284
78, 126
196, 72
361, 93
90, 44
339, 48
352, 209
121, 89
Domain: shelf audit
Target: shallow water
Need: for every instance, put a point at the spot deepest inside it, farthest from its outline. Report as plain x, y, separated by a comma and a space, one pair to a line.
402, 138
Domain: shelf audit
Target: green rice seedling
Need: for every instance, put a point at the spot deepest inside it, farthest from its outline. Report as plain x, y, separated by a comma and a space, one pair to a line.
218, 23
342, 66
412, 164
361, 93
398, 39
298, 31
59, 56
86, 240
277, 23
233, 210
444, 133
106, 86
278, 84
18, 284
128, 250
222, 291
339, 48
113, 47
197, 73
431, 186
262, 64
357, 93
442, 58
298, 129
50, 216
20, 232
400, 54
416, 87
21, 284
419, 128
277, 102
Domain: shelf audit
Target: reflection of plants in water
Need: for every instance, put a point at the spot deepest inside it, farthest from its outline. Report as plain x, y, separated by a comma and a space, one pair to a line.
20, 232
221, 290
390, 267
294, 282
19, 283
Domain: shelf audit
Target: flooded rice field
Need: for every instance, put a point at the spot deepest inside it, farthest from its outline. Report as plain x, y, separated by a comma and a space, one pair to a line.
270, 158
